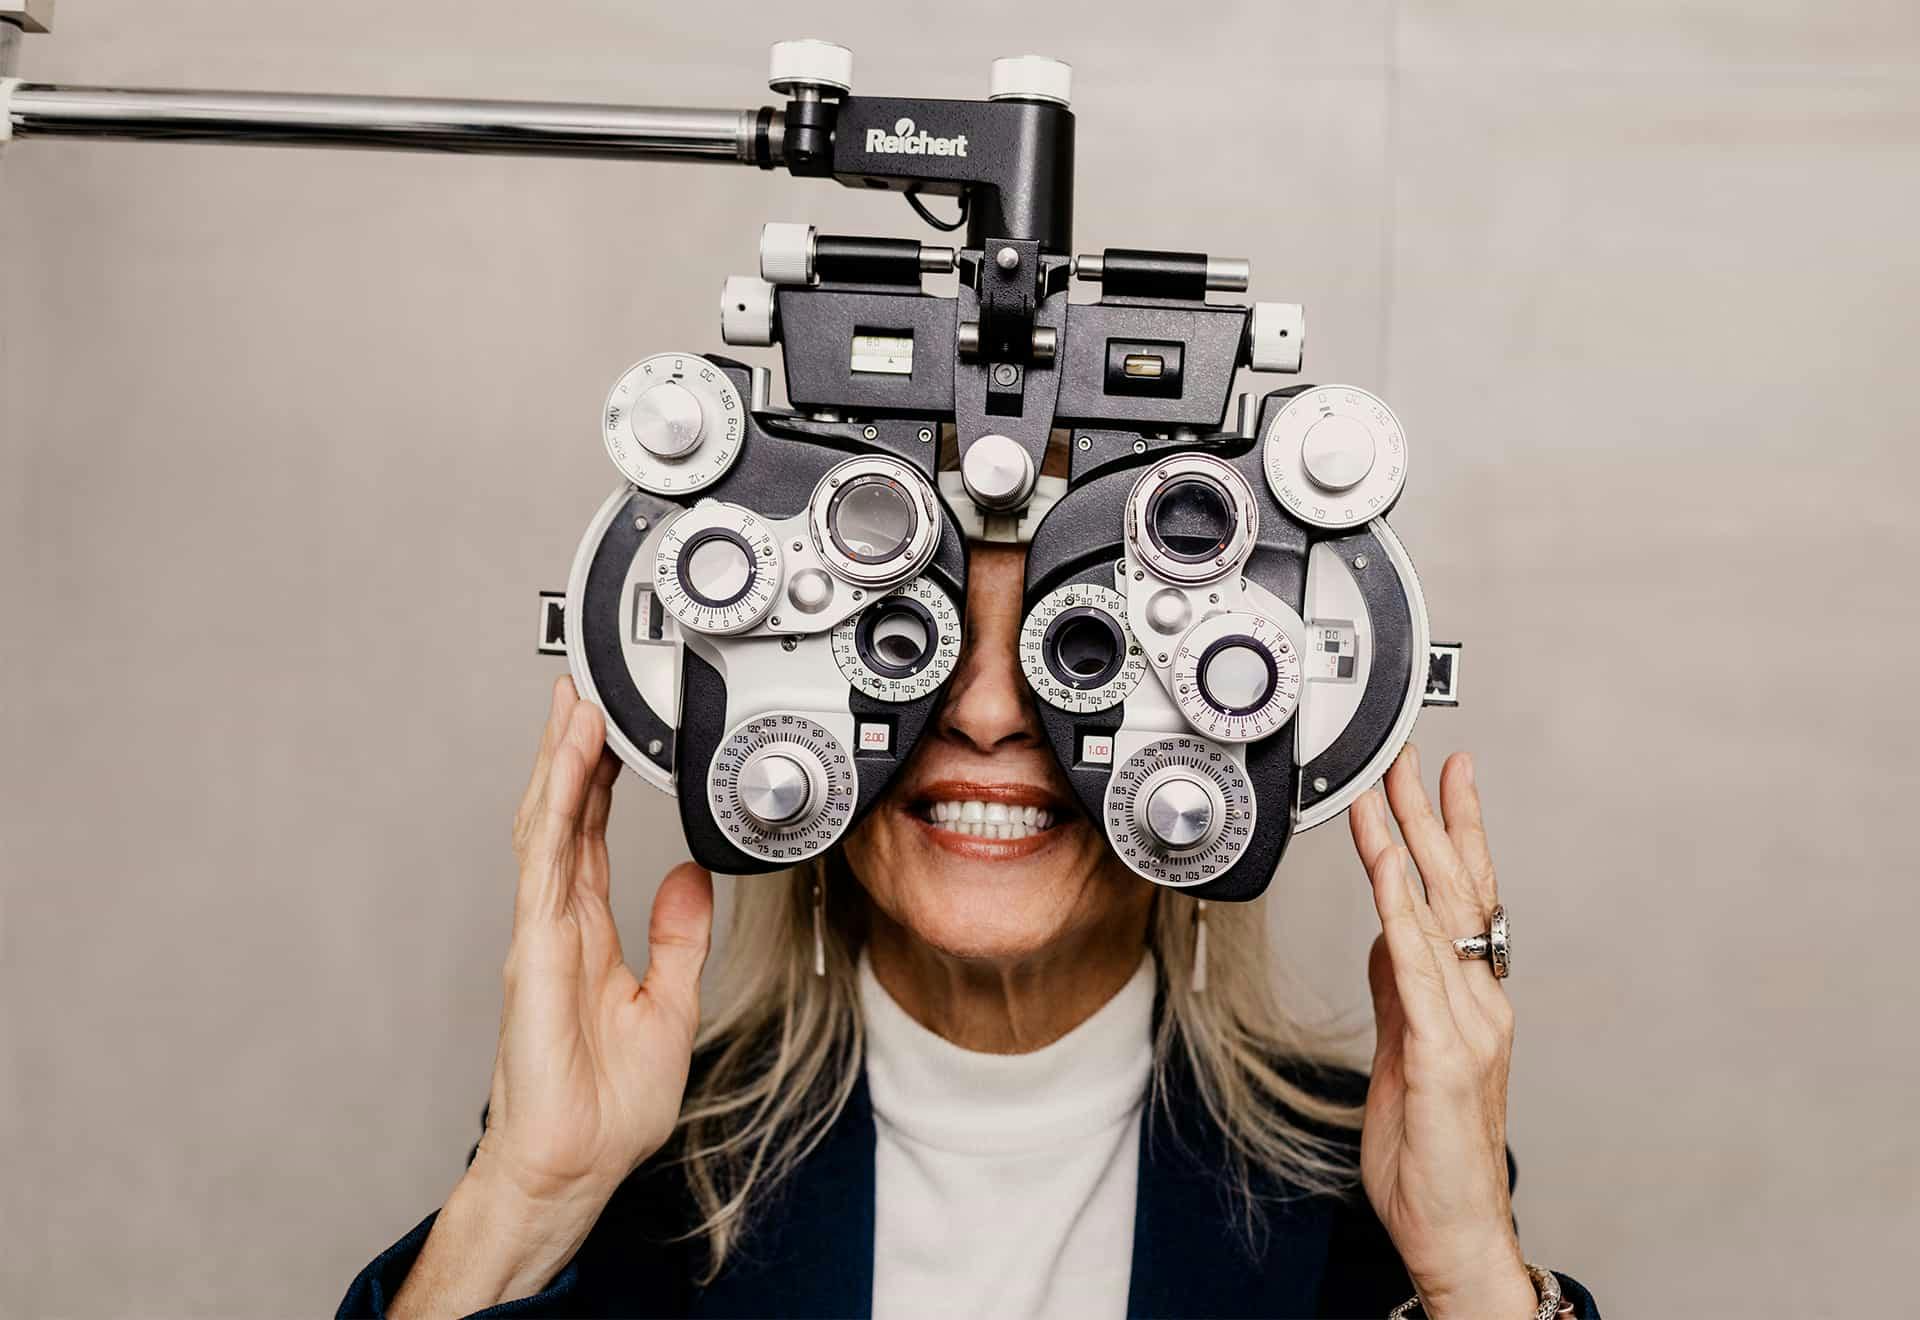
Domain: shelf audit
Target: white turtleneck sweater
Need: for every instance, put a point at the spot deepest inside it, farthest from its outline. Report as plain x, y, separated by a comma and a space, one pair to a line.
1004, 1184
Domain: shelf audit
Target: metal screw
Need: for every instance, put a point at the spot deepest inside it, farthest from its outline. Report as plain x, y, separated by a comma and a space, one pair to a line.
1319, 783
640, 524
1005, 374
871, 432
1213, 598
1359, 561
797, 545
1220, 562
926, 435
1007, 259
859, 595
1085, 444
1139, 575
1162, 657
1139, 446
655, 747
788, 643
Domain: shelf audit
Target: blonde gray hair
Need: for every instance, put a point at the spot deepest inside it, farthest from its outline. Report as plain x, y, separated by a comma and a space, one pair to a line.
784, 1049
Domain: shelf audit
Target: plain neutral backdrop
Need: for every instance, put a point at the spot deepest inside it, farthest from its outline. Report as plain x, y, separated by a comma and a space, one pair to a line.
289, 440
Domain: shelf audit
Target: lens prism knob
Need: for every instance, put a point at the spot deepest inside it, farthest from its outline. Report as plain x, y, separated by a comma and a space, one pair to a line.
1180, 810
673, 423
1236, 676
781, 787
717, 568
1335, 457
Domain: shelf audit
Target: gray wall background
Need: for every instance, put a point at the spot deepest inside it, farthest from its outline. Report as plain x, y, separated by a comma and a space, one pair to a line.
291, 439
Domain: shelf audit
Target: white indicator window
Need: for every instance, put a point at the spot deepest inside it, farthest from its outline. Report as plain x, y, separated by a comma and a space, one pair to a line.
1332, 651
882, 354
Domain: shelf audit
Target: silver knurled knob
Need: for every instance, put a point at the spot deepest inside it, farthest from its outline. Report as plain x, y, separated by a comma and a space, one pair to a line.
746, 311
997, 473
1178, 814
808, 63
786, 253
1031, 78
775, 788
1279, 335
667, 420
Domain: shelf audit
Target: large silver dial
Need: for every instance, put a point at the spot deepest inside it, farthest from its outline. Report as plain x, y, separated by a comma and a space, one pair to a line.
717, 568
1236, 676
673, 423
1335, 456
903, 645
781, 787
1076, 649
1180, 810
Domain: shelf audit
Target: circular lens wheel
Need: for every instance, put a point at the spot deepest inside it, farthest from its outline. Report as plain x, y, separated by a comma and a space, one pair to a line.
673, 423
902, 646
781, 787
1236, 676
875, 521
717, 568
1192, 520
1335, 456
1076, 649
1179, 811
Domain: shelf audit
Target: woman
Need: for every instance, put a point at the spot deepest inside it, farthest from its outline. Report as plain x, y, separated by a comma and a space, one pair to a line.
968, 1066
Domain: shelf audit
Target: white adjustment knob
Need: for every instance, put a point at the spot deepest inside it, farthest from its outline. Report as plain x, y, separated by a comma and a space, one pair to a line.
667, 420
786, 253
746, 312
1279, 334
1338, 453
997, 473
1031, 78
775, 788
1178, 813
822, 65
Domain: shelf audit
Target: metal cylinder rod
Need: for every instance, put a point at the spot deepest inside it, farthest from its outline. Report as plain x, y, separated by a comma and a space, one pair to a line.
391, 123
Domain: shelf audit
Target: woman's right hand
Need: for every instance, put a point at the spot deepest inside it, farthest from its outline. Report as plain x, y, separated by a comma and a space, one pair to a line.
592, 1062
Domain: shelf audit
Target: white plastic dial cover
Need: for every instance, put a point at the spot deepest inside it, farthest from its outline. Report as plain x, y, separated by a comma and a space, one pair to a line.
1335, 456
687, 438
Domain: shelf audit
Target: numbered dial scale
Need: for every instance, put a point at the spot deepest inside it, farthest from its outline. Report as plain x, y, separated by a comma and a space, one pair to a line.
901, 647
1076, 649
673, 423
717, 568
1179, 811
1335, 456
781, 787
1236, 676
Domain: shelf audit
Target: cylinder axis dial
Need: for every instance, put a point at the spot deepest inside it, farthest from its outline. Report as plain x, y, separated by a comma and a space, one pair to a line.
781, 787
902, 646
1179, 811
673, 423
1335, 456
1077, 651
717, 568
1236, 676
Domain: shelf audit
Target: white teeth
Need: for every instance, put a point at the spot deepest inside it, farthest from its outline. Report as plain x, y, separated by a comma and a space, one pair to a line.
990, 820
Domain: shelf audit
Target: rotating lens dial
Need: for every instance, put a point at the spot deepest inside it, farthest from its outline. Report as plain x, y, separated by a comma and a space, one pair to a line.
1076, 649
875, 521
717, 568
1335, 456
1180, 810
1236, 676
673, 423
1192, 519
903, 645
781, 787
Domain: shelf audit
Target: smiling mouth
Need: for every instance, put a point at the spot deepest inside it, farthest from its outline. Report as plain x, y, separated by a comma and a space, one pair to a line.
977, 817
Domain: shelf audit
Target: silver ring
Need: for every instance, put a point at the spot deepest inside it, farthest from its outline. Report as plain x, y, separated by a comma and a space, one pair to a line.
1495, 946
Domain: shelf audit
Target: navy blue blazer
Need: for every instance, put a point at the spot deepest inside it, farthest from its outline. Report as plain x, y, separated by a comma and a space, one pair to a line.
809, 1252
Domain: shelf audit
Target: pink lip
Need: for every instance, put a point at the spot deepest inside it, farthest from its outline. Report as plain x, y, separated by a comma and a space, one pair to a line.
973, 845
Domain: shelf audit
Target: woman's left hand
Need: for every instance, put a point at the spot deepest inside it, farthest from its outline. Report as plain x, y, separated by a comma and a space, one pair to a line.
1433, 1153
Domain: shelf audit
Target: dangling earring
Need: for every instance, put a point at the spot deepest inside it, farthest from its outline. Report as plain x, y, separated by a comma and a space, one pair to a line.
819, 927
1200, 947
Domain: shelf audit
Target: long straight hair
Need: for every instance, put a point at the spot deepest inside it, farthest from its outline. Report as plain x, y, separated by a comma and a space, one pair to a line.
784, 1048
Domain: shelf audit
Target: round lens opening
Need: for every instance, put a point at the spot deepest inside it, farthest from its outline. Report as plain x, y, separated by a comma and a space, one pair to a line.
872, 520
1191, 519
1237, 677
1086, 648
900, 638
716, 569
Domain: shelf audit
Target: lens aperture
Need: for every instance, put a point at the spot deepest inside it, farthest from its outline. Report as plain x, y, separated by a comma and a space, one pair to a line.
872, 519
1191, 519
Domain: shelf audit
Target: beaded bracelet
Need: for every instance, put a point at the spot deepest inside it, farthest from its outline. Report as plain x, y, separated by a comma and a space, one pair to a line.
1545, 1282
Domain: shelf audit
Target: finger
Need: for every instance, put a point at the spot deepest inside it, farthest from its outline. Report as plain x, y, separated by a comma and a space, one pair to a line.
1389, 1017
1450, 890
559, 708
1371, 826
679, 933
1417, 975
591, 869
1460, 807
546, 876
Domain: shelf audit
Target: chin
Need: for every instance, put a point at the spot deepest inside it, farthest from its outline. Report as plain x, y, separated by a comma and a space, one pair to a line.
970, 895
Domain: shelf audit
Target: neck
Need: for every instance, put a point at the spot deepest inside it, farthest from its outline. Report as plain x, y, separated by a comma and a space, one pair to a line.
1010, 1005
